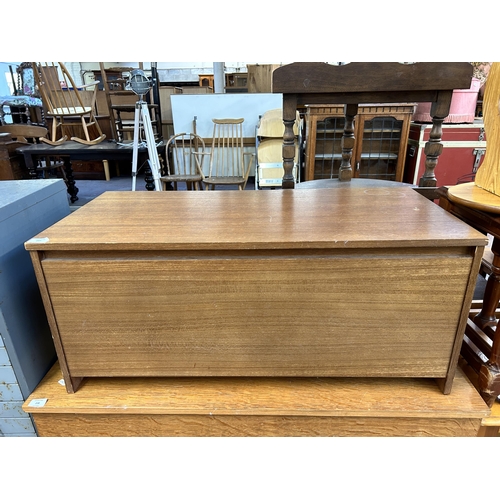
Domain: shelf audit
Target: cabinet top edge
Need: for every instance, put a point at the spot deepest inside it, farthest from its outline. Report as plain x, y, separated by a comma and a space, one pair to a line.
343, 217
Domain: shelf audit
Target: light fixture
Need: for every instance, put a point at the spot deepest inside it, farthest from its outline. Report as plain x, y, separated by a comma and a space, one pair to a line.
138, 82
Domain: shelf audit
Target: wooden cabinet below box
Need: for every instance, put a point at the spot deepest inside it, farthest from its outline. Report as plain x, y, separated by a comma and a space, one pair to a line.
381, 136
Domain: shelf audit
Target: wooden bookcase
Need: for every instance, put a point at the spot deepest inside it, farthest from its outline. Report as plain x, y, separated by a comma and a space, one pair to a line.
381, 137
236, 82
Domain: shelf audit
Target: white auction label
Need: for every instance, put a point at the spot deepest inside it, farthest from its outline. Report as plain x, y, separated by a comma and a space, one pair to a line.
38, 403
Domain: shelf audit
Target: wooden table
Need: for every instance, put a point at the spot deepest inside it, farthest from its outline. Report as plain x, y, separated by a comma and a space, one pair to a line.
71, 150
314, 282
481, 348
232, 407
355, 84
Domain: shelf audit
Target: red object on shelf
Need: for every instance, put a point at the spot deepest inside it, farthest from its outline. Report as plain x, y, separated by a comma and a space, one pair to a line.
464, 146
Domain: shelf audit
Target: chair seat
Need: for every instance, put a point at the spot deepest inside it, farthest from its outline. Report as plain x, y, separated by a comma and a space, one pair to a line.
224, 180
77, 110
181, 178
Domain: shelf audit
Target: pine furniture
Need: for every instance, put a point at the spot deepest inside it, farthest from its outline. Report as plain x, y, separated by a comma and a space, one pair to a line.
256, 407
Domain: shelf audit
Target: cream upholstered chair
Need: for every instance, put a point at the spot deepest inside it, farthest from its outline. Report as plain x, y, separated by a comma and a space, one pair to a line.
68, 107
180, 162
228, 164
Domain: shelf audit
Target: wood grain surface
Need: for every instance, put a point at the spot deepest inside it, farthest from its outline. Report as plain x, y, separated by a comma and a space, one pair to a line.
487, 176
249, 426
346, 314
370, 76
272, 219
316, 282
473, 196
256, 407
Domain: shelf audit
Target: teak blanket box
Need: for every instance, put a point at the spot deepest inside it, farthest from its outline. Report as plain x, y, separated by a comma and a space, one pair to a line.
323, 282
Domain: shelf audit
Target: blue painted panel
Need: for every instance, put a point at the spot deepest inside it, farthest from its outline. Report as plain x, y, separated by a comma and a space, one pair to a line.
26, 208
4, 357
13, 409
10, 392
16, 426
7, 375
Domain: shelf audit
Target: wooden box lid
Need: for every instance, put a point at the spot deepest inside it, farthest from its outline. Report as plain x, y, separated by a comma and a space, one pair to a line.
253, 220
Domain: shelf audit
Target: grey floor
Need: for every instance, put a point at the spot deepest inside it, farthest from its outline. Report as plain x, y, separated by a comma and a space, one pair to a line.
89, 189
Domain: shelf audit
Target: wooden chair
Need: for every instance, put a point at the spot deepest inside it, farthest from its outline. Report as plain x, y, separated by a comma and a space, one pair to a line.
122, 102
25, 134
66, 103
356, 83
226, 159
180, 162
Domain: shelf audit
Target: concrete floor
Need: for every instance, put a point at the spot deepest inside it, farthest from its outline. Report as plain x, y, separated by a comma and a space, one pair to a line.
89, 189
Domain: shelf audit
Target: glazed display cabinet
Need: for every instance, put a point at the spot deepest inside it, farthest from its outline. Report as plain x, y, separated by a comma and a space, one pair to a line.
381, 137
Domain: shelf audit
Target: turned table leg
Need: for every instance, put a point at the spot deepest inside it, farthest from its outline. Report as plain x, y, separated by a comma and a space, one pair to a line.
486, 317
70, 181
347, 142
489, 375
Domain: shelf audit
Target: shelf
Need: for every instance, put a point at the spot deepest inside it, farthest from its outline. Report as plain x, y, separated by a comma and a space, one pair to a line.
381, 156
369, 131
364, 156
328, 156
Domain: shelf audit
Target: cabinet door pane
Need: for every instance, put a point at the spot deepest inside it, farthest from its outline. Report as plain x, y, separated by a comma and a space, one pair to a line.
380, 148
328, 153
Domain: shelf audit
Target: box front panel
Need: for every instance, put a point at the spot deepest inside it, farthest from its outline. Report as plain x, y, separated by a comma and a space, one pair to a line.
350, 313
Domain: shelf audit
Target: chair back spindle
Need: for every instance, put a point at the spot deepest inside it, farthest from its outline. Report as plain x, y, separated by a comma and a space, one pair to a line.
181, 162
228, 163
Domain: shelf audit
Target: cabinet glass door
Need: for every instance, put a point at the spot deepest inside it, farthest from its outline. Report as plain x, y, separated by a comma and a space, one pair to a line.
380, 149
328, 152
